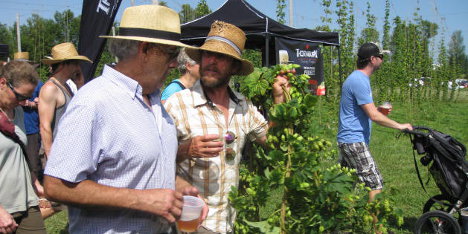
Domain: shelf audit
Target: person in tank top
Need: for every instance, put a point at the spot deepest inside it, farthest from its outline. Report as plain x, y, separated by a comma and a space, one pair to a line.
55, 94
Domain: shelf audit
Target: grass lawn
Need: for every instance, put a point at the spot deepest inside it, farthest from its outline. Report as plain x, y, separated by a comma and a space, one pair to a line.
393, 155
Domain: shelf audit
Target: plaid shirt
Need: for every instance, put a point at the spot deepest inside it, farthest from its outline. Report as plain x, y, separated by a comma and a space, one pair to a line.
195, 115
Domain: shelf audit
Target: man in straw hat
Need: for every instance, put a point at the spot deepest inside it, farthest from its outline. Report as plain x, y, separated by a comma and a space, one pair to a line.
357, 111
113, 160
213, 122
55, 94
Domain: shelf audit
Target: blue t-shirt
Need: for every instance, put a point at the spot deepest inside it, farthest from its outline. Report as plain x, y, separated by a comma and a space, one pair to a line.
31, 118
172, 88
354, 124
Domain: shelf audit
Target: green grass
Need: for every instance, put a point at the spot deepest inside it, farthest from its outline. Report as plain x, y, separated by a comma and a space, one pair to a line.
393, 151
393, 155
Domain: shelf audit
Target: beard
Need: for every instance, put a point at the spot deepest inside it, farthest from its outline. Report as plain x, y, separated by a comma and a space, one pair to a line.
210, 81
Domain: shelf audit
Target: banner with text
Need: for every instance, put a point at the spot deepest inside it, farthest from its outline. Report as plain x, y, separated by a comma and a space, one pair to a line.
97, 18
306, 54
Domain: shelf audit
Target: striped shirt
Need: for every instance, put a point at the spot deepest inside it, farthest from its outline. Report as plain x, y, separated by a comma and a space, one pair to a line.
194, 115
110, 136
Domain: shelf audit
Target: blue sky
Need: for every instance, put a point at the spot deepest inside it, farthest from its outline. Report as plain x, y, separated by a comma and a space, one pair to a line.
450, 15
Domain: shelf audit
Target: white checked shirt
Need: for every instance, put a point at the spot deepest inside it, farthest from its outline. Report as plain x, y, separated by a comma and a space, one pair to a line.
110, 136
194, 115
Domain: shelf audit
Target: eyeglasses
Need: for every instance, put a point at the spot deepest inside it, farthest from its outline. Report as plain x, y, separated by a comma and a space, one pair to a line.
171, 52
379, 56
230, 138
20, 97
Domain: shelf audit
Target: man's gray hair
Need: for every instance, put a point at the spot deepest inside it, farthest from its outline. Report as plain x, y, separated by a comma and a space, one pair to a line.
182, 59
123, 49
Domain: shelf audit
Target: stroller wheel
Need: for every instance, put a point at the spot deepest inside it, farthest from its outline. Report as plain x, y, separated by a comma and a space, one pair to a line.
437, 222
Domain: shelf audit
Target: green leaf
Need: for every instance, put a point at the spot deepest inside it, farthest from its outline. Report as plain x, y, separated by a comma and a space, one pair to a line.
264, 227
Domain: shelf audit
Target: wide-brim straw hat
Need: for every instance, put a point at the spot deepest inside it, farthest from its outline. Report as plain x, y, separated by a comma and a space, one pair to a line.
150, 23
227, 39
62, 52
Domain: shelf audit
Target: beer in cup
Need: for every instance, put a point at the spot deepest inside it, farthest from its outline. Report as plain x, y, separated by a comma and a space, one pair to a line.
191, 212
385, 108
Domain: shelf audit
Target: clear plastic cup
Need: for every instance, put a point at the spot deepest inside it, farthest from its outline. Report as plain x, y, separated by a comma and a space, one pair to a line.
385, 108
191, 212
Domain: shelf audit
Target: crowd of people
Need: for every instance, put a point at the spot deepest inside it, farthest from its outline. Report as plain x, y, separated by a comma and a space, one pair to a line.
121, 154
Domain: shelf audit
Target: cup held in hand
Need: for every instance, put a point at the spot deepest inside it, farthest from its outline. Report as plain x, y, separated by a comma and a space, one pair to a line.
191, 212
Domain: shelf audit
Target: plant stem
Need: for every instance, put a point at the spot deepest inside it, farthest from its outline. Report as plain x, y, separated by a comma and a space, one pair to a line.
287, 174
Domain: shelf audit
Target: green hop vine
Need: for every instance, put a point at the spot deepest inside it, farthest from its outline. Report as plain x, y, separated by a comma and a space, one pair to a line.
290, 172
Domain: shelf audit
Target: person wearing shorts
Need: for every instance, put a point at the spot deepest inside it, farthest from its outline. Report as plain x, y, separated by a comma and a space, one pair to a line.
357, 112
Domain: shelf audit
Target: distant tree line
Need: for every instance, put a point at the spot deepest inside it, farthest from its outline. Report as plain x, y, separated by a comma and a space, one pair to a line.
409, 41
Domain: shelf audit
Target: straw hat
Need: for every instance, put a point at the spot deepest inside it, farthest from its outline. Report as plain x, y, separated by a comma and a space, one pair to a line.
63, 52
150, 23
21, 56
227, 39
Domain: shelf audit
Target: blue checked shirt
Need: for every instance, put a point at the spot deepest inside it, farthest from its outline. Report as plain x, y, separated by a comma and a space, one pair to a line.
108, 135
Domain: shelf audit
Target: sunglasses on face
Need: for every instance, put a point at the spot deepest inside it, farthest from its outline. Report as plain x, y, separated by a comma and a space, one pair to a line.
379, 56
20, 97
171, 52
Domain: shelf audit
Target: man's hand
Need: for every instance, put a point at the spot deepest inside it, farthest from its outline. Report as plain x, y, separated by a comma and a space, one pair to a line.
406, 126
205, 146
7, 222
281, 84
163, 202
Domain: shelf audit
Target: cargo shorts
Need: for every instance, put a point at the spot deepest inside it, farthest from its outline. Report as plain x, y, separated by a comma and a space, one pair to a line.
357, 156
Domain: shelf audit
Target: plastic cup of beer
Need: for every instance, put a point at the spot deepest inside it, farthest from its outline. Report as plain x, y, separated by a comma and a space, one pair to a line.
191, 212
385, 108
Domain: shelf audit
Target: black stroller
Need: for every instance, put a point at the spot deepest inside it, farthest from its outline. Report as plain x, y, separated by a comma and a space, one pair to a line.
445, 158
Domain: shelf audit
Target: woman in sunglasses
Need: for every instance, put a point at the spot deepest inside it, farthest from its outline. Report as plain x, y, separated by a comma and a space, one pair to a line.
19, 209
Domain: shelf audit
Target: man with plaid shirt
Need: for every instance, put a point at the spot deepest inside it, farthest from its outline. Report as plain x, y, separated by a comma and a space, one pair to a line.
213, 123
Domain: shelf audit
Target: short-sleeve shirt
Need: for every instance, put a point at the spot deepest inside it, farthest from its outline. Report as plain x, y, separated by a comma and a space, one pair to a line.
172, 88
194, 115
110, 136
354, 124
16, 190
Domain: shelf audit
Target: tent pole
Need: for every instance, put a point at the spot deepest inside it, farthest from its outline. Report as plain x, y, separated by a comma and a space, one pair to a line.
267, 50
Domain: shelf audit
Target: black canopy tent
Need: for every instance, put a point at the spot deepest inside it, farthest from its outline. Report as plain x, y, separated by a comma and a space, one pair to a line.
259, 29
4, 52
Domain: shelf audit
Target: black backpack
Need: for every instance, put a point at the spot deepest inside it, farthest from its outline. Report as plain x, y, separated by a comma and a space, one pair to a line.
446, 158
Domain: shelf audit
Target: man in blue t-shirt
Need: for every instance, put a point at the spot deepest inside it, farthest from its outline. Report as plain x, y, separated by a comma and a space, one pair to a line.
357, 111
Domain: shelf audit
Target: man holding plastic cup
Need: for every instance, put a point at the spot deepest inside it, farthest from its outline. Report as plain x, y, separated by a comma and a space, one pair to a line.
113, 161
357, 112
214, 122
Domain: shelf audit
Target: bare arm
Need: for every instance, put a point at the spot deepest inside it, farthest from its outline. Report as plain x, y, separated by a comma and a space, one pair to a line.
163, 202
375, 115
48, 103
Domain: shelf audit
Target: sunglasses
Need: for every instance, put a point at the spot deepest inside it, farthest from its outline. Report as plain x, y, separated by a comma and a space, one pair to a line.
171, 52
379, 56
20, 97
230, 138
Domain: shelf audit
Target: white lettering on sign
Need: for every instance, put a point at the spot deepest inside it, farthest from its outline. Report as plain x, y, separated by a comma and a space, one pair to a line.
306, 53
103, 5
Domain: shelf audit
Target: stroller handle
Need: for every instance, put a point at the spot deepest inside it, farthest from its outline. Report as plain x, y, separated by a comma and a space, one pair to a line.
416, 131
